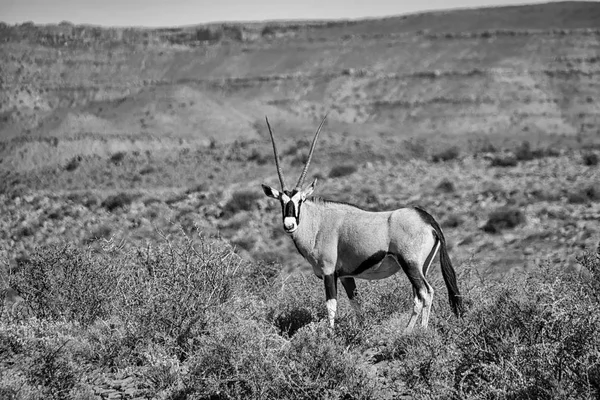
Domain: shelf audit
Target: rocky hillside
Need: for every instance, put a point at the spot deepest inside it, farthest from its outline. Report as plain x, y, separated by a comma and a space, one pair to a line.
506, 71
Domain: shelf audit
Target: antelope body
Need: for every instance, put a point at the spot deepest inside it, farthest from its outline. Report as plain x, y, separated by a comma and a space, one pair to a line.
344, 242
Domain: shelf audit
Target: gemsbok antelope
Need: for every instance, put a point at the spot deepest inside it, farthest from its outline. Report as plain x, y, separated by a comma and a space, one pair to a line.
344, 242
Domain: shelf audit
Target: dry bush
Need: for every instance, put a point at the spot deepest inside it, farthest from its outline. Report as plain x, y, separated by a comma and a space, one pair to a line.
189, 319
452, 221
244, 200
590, 159
66, 283
342, 170
584, 195
148, 169
298, 305
524, 152
88, 200
451, 153
196, 188
247, 242
73, 163
532, 346
311, 365
503, 161
117, 201
545, 194
504, 218
100, 232
446, 186
117, 157
168, 293
508, 345
259, 157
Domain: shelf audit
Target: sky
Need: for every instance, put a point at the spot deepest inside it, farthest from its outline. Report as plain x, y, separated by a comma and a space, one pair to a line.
154, 13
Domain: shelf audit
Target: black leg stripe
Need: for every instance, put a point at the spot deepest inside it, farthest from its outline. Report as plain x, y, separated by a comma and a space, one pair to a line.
350, 286
370, 262
330, 287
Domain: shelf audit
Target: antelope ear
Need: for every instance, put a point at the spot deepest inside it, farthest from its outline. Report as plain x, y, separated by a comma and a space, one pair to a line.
270, 192
309, 189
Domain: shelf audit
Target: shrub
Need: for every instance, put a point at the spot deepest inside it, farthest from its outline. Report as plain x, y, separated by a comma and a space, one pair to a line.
270, 257
101, 232
311, 365
590, 261
503, 161
319, 366
88, 200
73, 163
220, 370
584, 195
531, 346
342, 170
189, 319
168, 293
590, 159
117, 157
452, 221
259, 157
504, 218
208, 34
446, 186
268, 30
244, 200
421, 362
508, 345
199, 187
448, 154
297, 306
525, 153
176, 198
66, 283
416, 148
545, 194
487, 147
51, 372
148, 169
120, 200
247, 242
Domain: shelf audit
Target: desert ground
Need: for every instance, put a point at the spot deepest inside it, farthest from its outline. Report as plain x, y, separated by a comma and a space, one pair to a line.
150, 264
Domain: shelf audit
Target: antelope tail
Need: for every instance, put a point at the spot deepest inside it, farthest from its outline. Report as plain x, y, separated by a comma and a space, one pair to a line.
447, 270
450, 278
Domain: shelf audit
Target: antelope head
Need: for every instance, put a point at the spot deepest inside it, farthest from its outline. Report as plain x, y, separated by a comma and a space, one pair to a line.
291, 199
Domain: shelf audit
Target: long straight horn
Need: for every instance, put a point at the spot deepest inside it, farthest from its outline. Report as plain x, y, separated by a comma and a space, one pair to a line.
312, 148
279, 170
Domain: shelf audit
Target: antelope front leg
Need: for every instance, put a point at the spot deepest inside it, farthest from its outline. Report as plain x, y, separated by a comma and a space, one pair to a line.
331, 297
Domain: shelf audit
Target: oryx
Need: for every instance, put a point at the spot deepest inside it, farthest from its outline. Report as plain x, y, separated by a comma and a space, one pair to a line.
343, 241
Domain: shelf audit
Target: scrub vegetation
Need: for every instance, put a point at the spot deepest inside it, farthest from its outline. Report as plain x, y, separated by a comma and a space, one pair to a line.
139, 257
